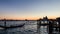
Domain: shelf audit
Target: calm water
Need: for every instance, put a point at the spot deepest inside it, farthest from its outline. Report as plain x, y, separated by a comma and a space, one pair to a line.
30, 27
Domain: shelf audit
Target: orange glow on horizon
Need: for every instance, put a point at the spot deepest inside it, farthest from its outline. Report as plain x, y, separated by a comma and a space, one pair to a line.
28, 18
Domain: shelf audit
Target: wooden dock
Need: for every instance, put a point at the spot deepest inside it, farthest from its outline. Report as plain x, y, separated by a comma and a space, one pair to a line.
51, 23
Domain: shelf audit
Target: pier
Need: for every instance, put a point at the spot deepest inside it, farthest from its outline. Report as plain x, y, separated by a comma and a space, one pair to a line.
50, 23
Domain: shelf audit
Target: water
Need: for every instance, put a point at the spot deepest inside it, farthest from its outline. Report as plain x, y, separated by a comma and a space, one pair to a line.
30, 27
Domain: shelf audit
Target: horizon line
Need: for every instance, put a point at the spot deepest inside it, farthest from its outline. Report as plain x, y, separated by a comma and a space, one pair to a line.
25, 18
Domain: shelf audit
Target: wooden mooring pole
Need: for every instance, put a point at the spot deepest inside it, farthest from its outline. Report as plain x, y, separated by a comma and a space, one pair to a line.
50, 28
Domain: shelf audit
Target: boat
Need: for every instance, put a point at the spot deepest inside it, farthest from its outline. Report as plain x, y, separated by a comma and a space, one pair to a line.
12, 26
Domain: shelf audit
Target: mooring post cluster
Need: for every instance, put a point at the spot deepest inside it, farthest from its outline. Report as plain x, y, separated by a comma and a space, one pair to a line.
50, 23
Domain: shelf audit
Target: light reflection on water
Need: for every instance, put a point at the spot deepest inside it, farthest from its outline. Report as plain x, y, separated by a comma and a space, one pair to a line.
30, 27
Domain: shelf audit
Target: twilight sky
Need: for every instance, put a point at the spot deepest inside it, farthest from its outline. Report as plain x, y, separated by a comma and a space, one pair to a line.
29, 9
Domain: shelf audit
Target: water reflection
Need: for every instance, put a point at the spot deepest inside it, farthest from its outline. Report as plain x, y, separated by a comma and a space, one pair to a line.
29, 28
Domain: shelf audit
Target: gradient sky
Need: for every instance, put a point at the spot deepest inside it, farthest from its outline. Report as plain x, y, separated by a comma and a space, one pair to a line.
29, 9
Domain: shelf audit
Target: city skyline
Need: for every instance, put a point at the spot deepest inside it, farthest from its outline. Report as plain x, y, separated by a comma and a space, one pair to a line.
29, 9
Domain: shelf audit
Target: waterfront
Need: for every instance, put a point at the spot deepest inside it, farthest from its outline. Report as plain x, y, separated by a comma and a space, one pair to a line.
30, 27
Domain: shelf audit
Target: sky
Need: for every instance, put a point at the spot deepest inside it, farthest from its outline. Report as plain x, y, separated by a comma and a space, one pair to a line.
29, 9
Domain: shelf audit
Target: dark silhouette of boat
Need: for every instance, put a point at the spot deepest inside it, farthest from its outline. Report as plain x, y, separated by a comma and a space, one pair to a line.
12, 26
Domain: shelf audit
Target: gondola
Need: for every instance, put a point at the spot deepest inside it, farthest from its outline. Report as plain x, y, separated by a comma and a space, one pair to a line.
12, 26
